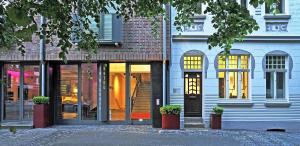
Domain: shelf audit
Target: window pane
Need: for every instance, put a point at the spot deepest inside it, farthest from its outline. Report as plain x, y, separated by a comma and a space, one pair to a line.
244, 62
107, 27
269, 85
192, 62
278, 5
244, 3
31, 89
280, 85
11, 101
233, 84
222, 62
222, 84
245, 85
68, 91
233, 62
89, 91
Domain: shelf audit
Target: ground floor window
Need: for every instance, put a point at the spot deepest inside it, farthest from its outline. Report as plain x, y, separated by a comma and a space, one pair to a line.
275, 77
233, 76
20, 85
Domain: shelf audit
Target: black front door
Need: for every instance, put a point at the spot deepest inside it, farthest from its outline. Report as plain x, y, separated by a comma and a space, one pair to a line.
193, 94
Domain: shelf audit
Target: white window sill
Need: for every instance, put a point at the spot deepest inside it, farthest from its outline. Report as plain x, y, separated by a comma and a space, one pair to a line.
277, 103
277, 18
235, 102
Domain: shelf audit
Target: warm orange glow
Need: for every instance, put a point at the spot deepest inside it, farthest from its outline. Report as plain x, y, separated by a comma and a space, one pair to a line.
116, 86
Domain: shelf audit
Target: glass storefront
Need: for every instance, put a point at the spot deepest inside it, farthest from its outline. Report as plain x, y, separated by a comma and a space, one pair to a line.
89, 91
140, 92
20, 85
69, 91
117, 91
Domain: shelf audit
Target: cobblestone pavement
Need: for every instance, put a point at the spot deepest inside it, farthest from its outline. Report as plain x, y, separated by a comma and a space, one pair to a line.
111, 135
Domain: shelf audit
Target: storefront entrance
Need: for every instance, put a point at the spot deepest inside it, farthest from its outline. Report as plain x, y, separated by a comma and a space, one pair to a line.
20, 83
103, 92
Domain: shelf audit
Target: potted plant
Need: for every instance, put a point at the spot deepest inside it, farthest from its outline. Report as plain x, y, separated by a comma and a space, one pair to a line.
216, 117
40, 111
170, 116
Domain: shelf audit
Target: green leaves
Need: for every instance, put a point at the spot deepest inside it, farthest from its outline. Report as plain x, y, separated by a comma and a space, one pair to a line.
17, 23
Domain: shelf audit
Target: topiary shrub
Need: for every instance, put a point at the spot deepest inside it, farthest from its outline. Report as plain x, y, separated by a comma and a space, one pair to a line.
170, 109
40, 100
218, 110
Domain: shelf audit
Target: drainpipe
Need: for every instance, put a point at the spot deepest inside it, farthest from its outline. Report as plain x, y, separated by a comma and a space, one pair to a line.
164, 57
42, 58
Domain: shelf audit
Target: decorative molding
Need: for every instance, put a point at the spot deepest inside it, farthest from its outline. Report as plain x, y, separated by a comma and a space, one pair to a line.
195, 27
280, 18
276, 26
197, 24
269, 38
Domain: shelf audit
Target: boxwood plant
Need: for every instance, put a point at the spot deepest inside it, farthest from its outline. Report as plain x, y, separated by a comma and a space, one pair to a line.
40, 100
218, 110
170, 109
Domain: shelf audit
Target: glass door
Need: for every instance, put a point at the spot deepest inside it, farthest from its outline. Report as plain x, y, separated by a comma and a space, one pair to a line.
20, 85
68, 91
117, 92
140, 92
12, 100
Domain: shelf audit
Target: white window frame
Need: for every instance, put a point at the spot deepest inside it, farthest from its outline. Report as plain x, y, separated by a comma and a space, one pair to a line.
239, 71
274, 72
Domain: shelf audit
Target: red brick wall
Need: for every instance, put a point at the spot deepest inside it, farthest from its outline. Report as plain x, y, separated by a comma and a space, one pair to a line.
139, 44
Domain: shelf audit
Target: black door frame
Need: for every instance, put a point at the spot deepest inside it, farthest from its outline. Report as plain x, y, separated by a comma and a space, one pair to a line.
199, 96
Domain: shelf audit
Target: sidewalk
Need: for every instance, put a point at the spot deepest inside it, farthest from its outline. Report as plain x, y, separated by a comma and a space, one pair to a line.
143, 135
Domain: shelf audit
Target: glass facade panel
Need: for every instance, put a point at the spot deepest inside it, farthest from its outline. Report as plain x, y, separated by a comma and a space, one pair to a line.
11, 77
117, 91
140, 92
89, 91
233, 84
69, 91
31, 89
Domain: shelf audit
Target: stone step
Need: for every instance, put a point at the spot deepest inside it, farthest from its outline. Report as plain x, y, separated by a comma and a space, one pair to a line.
193, 120
194, 125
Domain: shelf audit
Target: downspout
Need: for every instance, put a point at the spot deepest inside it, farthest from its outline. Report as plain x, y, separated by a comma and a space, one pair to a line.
42, 57
164, 56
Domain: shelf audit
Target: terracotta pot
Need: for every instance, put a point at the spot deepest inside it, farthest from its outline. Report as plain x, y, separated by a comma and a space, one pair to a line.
215, 121
170, 121
40, 115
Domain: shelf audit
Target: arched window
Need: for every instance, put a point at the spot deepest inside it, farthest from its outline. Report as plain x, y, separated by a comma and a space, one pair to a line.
194, 61
234, 72
277, 66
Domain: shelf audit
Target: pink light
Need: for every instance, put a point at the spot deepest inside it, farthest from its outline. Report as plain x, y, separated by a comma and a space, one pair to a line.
16, 73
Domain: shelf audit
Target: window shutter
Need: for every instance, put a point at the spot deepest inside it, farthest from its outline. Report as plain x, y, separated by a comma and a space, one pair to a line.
107, 27
117, 28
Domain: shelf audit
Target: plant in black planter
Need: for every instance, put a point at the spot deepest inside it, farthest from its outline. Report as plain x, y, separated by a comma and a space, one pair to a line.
40, 111
170, 116
216, 117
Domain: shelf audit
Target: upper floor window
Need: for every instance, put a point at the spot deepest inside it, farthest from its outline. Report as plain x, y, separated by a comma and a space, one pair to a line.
109, 29
278, 5
233, 74
243, 3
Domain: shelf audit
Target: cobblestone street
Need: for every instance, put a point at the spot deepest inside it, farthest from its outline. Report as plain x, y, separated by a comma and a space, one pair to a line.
143, 135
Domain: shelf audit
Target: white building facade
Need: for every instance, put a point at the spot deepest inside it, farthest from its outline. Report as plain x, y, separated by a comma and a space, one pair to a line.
258, 84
